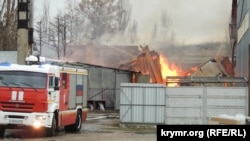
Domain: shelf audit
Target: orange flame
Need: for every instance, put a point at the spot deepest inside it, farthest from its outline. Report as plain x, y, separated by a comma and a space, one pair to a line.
169, 69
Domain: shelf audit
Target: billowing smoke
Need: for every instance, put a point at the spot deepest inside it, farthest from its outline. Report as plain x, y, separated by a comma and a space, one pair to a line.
187, 32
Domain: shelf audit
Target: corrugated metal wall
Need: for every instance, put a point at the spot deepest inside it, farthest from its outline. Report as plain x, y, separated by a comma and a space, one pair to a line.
241, 51
121, 77
142, 103
104, 84
101, 85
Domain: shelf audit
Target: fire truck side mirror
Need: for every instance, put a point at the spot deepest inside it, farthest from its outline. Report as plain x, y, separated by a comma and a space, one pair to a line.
56, 83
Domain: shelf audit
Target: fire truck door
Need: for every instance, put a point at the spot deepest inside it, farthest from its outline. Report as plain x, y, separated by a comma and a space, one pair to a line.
64, 92
53, 89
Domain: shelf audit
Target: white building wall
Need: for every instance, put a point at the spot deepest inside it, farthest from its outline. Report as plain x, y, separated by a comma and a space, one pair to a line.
8, 56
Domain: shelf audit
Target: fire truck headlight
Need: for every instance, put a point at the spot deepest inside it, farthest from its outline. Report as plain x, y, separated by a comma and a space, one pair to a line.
37, 124
40, 117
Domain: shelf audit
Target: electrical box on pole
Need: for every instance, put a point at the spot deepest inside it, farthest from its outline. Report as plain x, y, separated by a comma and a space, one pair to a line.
25, 30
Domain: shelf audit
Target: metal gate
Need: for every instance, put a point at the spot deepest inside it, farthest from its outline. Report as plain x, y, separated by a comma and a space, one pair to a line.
142, 103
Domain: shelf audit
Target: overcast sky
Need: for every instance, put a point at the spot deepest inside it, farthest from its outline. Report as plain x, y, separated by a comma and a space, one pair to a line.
193, 21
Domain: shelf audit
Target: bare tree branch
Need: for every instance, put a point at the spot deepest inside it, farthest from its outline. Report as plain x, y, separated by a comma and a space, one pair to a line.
8, 25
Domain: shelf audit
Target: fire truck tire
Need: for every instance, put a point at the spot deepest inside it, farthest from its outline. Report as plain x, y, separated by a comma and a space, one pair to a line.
77, 126
2, 131
50, 132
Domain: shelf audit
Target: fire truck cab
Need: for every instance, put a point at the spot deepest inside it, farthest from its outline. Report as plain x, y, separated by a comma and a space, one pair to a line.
42, 97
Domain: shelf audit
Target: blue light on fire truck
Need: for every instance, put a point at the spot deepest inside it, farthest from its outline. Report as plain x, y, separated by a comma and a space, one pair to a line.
5, 64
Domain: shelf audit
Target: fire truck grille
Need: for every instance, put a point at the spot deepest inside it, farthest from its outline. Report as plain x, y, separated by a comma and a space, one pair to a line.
17, 107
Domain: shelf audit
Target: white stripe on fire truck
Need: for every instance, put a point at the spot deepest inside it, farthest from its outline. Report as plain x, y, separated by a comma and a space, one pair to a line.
20, 96
17, 96
14, 95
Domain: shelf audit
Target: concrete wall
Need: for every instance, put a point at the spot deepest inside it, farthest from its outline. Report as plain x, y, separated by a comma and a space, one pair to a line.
194, 105
180, 105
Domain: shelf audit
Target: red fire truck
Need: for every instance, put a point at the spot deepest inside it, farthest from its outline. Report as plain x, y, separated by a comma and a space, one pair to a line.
43, 97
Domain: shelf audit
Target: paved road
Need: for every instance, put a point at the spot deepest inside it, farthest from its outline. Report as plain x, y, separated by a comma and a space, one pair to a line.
98, 127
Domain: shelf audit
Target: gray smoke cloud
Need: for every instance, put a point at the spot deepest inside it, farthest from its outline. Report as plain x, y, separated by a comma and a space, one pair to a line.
193, 21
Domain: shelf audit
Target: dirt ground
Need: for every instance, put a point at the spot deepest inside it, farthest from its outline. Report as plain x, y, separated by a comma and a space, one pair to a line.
100, 126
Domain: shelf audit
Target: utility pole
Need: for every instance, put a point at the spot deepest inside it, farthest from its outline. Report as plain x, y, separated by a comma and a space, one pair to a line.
40, 43
64, 38
233, 31
25, 30
58, 41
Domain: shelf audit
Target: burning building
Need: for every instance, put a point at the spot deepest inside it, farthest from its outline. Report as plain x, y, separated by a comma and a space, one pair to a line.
159, 70
147, 63
215, 67
154, 65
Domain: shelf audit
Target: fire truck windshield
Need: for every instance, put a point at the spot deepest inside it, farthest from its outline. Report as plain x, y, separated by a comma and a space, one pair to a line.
22, 79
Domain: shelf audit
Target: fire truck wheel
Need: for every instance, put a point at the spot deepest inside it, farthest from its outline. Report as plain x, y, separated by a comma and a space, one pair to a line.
77, 126
2, 131
50, 132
